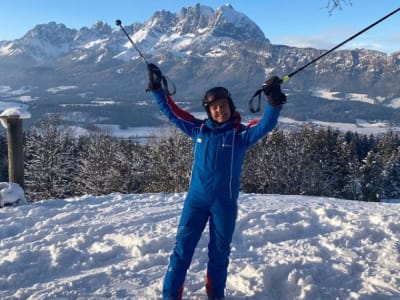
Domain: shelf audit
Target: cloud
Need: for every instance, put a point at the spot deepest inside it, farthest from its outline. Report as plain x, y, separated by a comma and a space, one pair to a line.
384, 42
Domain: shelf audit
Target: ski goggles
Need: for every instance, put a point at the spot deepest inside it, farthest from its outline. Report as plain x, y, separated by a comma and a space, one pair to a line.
215, 94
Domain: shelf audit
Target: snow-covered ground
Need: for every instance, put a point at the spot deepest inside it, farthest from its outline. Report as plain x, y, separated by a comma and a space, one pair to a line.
117, 247
361, 126
331, 95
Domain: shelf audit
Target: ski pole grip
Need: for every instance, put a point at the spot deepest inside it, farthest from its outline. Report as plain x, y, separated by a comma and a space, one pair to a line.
285, 78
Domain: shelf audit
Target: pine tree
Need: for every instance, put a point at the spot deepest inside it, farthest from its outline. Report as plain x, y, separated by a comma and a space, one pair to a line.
371, 177
391, 176
172, 157
255, 175
387, 145
97, 174
308, 161
349, 165
130, 164
50, 160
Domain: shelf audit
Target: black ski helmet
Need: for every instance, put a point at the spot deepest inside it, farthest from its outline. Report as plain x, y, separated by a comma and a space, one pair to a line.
214, 94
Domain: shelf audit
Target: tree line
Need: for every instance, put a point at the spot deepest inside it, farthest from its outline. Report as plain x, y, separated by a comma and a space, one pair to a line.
308, 161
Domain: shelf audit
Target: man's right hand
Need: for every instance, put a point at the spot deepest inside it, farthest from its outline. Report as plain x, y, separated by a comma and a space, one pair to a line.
155, 77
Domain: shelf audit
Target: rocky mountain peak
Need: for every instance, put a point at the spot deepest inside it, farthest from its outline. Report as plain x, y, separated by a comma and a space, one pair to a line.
201, 20
231, 23
52, 32
194, 19
45, 40
102, 28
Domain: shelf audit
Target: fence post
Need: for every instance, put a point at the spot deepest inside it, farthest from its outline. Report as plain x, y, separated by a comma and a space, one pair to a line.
15, 149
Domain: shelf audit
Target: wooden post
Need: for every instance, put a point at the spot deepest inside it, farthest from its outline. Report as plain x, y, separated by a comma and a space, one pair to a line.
15, 150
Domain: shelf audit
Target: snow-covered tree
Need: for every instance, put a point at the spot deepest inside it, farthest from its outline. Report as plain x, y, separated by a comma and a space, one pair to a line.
267, 167
97, 174
310, 161
350, 165
387, 145
371, 177
391, 176
50, 160
130, 164
172, 156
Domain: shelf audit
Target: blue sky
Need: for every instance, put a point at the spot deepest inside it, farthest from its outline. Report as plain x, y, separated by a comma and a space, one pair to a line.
301, 23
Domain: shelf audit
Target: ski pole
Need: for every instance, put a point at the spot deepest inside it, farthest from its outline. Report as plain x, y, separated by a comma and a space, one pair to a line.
287, 77
164, 79
119, 23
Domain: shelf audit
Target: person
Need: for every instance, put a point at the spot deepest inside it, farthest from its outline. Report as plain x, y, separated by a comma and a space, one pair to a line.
220, 143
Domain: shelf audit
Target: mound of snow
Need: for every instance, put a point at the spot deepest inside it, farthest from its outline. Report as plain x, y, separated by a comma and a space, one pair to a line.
14, 111
11, 193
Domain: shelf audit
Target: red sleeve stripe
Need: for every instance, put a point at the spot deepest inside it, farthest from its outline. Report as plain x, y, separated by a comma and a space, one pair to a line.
178, 111
252, 123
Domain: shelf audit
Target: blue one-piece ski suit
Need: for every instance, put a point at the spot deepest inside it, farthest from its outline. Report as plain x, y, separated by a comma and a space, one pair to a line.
219, 151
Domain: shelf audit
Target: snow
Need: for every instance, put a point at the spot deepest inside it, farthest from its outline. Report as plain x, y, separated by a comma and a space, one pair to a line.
26, 98
395, 103
330, 95
117, 247
5, 88
47, 48
360, 97
361, 126
10, 104
11, 193
95, 43
326, 94
7, 49
20, 91
61, 88
14, 111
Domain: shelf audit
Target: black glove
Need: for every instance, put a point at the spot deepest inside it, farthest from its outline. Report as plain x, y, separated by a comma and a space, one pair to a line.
155, 77
273, 92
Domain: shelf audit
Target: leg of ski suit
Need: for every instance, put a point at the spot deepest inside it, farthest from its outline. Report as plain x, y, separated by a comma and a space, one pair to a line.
222, 226
191, 225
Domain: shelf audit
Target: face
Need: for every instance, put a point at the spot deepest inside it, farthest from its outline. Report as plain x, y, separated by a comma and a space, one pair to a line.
220, 110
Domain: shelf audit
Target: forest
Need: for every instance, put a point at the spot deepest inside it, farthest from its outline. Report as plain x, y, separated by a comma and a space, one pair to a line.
308, 161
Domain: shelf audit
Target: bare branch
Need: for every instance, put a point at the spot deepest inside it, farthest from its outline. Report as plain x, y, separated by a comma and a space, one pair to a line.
337, 4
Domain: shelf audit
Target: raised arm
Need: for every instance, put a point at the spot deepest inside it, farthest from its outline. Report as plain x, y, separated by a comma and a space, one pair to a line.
258, 128
181, 118
276, 99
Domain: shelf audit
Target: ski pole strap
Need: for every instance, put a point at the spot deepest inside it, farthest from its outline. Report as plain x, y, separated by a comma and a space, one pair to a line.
164, 82
251, 106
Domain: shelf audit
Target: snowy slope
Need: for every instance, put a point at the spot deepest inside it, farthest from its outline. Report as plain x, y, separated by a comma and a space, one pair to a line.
117, 247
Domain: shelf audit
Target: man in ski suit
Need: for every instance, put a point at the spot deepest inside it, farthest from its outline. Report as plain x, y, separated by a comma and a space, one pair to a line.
220, 143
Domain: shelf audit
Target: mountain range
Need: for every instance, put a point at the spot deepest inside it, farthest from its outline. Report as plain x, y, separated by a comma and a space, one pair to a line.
94, 75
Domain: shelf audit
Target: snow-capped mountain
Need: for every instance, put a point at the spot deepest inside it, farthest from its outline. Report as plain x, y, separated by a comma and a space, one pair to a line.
96, 76
44, 41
